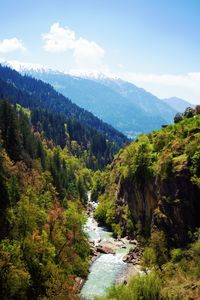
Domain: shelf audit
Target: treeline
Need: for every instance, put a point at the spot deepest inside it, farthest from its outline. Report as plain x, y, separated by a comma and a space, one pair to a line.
84, 141
42, 192
91, 147
33, 93
188, 113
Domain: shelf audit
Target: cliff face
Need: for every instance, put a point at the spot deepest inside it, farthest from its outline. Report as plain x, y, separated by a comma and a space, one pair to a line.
172, 205
179, 205
158, 178
142, 201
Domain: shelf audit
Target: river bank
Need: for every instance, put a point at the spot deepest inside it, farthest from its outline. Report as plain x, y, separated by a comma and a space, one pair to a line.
112, 260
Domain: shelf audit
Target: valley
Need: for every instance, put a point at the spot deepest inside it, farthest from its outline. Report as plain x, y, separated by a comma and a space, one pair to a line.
108, 267
138, 111
136, 231
100, 150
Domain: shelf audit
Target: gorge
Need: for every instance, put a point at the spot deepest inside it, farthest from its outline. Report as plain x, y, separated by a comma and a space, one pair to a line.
107, 268
147, 190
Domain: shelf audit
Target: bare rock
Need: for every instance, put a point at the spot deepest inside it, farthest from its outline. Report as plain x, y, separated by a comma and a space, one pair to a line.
105, 249
134, 242
134, 255
79, 282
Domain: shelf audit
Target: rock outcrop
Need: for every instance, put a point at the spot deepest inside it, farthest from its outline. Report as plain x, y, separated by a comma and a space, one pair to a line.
171, 205
134, 255
105, 249
154, 183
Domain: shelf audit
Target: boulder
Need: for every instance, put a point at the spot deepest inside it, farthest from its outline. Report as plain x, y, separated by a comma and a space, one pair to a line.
134, 242
134, 255
105, 249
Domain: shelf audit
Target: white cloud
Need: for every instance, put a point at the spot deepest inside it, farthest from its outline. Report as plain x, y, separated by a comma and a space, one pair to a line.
11, 45
59, 39
167, 85
85, 53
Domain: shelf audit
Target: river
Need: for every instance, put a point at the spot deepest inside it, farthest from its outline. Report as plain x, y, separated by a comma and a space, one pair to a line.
107, 269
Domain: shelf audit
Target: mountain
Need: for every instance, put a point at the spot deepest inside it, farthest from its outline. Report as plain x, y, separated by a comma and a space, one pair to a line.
22, 67
178, 104
126, 107
61, 121
45, 96
42, 192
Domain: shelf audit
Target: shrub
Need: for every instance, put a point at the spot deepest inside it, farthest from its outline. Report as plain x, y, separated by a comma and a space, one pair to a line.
148, 258
178, 117
159, 244
176, 255
141, 287
189, 112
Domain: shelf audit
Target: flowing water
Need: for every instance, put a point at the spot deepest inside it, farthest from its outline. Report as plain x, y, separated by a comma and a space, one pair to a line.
107, 268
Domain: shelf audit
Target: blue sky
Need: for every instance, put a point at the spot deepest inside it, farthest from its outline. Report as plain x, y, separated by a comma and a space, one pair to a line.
152, 43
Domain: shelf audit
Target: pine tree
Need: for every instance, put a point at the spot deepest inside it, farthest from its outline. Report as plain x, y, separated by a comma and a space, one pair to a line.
10, 131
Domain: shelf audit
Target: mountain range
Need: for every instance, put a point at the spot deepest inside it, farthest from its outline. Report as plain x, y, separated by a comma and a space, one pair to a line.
128, 108
178, 104
89, 137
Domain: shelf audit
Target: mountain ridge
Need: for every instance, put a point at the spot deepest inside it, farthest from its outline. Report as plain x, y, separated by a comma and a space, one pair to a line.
95, 141
178, 104
45, 90
128, 108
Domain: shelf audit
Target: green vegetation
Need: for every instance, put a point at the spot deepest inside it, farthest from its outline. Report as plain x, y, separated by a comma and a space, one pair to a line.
157, 171
42, 192
151, 191
141, 287
168, 274
54, 115
156, 253
188, 113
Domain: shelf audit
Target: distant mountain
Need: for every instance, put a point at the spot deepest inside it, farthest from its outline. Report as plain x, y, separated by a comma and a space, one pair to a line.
126, 107
22, 67
178, 104
100, 140
146, 101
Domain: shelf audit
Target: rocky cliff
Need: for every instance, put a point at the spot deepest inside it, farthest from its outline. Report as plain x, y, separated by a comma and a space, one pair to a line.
154, 184
172, 205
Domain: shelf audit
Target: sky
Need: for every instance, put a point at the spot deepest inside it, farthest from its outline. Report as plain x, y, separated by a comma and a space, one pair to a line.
154, 44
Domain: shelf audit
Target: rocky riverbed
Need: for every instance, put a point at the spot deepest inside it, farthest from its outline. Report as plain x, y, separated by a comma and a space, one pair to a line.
112, 260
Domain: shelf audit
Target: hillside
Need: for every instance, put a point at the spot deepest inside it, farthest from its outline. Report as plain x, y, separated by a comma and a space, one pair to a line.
87, 137
154, 183
151, 192
126, 107
46, 97
42, 195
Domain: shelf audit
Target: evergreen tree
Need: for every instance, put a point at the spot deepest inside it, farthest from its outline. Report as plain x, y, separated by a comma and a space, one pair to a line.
10, 131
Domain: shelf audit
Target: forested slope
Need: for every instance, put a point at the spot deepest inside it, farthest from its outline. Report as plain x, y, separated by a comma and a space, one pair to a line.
42, 95
128, 108
42, 192
151, 192
155, 183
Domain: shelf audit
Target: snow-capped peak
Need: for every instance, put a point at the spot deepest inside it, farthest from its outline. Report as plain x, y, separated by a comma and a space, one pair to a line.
88, 74
29, 68
24, 67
